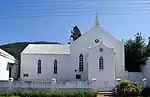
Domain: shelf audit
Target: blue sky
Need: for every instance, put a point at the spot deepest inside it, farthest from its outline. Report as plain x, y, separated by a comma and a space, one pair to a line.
52, 20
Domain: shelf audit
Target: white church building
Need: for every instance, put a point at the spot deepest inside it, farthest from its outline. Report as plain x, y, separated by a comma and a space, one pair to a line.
95, 55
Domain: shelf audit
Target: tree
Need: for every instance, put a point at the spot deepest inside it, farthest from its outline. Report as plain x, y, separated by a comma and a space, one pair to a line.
136, 53
75, 33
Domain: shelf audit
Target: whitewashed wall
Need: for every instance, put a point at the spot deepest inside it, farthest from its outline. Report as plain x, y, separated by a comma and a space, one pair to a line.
105, 77
134, 76
138, 76
146, 69
4, 72
82, 44
29, 64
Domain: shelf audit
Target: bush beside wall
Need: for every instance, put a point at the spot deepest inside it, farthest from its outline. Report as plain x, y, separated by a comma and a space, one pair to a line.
127, 89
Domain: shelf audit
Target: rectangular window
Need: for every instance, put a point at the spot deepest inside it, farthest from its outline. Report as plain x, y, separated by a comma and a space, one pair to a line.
101, 63
55, 66
39, 69
55, 70
39, 66
25, 75
78, 76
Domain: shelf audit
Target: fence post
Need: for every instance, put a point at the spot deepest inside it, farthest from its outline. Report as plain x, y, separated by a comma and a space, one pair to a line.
10, 85
53, 84
45, 85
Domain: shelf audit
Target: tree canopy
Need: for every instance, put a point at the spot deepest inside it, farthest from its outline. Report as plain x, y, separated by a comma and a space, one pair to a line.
75, 33
136, 53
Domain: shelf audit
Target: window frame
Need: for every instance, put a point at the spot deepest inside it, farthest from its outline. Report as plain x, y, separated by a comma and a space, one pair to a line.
81, 62
55, 66
39, 71
101, 63
78, 76
25, 75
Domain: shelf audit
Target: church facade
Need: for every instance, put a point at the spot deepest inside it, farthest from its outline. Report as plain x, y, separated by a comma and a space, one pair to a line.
96, 55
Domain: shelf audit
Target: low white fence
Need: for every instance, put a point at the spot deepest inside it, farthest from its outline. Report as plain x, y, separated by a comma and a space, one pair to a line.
16, 86
42, 84
134, 76
31, 86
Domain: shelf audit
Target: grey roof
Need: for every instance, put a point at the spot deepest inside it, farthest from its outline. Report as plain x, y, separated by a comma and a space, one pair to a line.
47, 49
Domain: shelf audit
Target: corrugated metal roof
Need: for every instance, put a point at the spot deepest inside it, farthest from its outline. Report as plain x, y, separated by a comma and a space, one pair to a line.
47, 49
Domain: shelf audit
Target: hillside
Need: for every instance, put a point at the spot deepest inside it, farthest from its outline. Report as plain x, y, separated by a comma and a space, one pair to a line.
15, 49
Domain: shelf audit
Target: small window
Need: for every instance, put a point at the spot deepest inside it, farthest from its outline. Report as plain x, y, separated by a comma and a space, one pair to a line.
25, 75
101, 63
96, 41
55, 67
78, 76
81, 63
101, 49
39, 67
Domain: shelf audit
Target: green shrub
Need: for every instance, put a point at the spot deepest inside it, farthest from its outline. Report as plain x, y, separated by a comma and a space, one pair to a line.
127, 89
49, 94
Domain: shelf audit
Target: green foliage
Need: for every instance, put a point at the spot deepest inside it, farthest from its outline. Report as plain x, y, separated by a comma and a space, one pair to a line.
136, 53
75, 33
127, 89
51, 94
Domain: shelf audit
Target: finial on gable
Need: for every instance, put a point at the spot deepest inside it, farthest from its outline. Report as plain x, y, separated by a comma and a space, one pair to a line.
96, 20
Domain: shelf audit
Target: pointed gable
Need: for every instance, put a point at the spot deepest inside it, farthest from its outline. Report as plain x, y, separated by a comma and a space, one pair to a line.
97, 32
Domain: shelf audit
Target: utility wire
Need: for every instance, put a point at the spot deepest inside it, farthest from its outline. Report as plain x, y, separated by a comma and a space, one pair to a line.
44, 8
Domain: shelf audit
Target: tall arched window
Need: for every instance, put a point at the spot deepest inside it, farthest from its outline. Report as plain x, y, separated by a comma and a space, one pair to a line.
55, 66
81, 63
39, 66
101, 63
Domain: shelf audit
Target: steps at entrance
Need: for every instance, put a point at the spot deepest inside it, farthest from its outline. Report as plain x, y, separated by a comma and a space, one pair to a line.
104, 94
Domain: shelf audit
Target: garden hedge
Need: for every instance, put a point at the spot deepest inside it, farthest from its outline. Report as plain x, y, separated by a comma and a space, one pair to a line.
50, 94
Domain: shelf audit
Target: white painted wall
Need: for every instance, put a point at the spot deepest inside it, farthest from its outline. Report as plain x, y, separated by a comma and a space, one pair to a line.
134, 76
4, 72
82, 44
29, 63
146, 70
105, 77
138, 76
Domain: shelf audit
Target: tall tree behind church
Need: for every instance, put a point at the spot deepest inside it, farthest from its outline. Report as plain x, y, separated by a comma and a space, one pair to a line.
136, 53
75, 33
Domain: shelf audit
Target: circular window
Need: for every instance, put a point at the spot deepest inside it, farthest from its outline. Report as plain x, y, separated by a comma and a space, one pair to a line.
96, 41
101, 49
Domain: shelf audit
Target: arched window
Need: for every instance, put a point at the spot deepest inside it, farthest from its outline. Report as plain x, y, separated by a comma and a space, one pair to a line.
39, 66
55, 66
80, 63
101, 63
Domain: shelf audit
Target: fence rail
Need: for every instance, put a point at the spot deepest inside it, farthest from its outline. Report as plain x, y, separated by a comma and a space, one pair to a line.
30, 86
